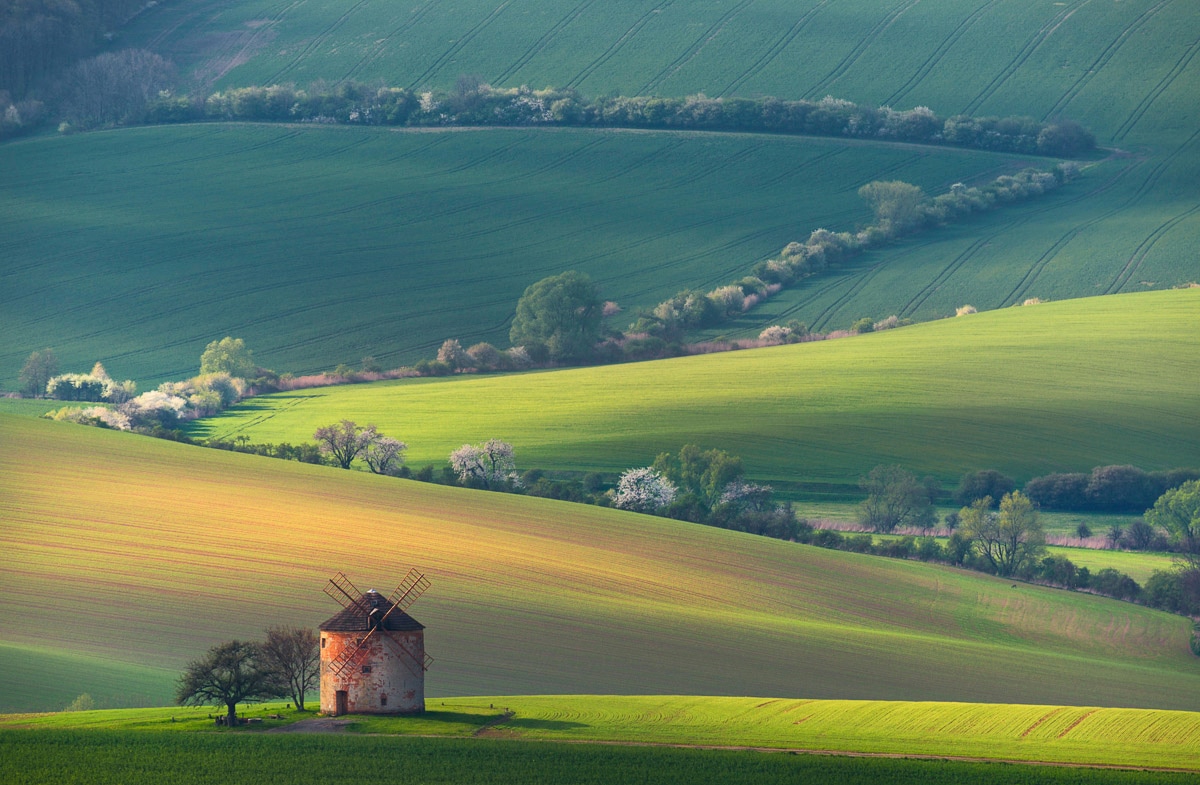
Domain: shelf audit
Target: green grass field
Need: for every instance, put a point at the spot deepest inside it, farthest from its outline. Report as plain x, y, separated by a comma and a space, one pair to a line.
322, 245
1060, 734
1115, 66
1056, 387
362, 244
156, 551
104, 758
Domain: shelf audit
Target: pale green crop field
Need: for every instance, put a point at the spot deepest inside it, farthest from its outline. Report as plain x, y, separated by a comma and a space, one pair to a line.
321, 245
1062, 734
1056, 387
157, 550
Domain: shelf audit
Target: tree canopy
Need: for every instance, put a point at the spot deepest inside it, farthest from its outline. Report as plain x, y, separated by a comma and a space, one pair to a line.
230, 673
228, 355
561, 313
1008, 539
37, 371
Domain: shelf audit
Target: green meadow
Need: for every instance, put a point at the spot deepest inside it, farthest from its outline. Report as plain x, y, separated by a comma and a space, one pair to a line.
321, 245
326, 245
104, 758
1052, 734
1033, 390
1115, 66
158, 550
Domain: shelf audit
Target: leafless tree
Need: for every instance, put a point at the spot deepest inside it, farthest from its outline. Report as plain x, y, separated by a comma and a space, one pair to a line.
293, 655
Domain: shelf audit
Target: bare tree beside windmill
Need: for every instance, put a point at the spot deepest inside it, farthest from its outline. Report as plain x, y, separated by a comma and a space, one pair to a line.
373, 658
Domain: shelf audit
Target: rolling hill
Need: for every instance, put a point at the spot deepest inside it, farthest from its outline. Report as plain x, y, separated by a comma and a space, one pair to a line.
649, 214
143, 552
322, 245
1055, 387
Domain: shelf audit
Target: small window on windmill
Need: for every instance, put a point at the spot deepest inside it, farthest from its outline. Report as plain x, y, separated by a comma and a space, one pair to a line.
383, 700
322, 641
366, 669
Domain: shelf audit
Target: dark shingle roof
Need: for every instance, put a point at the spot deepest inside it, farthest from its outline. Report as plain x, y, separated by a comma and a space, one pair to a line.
354, 620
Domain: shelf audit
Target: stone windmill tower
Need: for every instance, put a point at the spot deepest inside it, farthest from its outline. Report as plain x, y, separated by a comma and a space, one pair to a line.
373, 658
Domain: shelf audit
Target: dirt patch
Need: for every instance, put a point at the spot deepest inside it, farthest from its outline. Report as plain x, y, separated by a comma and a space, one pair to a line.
315, 725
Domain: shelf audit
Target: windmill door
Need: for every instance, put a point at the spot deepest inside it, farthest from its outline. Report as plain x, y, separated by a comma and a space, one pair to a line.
342, 707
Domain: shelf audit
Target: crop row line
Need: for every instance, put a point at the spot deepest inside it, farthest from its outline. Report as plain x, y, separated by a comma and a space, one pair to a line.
694, 49
1103, 58
863, 44
319, 39
540, 45
619, 44
938, 53
773, 51
1140, 110
459, 45
1032, 45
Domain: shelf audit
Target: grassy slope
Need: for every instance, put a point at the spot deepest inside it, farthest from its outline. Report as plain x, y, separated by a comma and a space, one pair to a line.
1130, 737
123, 758
1056, 387
156, 550
322, 245
1126, 69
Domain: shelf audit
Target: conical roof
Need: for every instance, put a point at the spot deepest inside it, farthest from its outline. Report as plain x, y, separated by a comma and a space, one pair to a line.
354, 620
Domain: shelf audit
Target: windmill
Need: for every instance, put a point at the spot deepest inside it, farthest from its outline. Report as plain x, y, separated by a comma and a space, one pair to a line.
370, 643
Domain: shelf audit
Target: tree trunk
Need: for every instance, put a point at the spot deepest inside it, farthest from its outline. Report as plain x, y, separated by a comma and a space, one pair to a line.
231, 715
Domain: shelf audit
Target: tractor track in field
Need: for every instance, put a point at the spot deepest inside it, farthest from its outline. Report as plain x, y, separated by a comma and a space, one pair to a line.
695, 48
1103, 58
316, 42
619, 44
1144, 106
1139, 254
382, 45
1031, 46
774, 50
459, 45
946, 274
862, 46
538, 46
940, 51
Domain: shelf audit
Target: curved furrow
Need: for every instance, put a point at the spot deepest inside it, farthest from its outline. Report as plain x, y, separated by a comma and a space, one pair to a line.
938, 53
1139, 255
859, 282
1022, 287
1103, 58
459, 45
672, 145
619, 44
1144, 105
863, 44
694, 49
774, 50
414, 18
316, 42
779, 178
1028, 49
695, 177
946, 273
539, 45
552, 165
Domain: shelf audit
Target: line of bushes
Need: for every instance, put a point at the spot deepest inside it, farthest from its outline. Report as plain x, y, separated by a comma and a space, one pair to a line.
1174, 591
475, 103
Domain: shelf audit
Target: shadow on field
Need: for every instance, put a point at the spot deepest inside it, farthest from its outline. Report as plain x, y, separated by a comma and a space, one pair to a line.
532, 724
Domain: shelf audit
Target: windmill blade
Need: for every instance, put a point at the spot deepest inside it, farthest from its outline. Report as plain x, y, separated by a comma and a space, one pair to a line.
408, 592
339, 663
416, 663
346, 594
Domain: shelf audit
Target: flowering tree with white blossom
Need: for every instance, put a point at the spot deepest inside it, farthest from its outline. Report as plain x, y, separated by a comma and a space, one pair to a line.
643, 490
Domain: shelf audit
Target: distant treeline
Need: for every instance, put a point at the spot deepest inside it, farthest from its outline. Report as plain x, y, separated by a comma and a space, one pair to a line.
474, 103
40, 37
1115, 489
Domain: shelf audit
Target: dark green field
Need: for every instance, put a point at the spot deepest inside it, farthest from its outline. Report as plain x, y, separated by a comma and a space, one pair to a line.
323, 245
361, 246
114, 758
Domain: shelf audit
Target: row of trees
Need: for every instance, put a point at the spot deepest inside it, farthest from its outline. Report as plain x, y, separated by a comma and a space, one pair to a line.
705, 486
285, 665
473, 102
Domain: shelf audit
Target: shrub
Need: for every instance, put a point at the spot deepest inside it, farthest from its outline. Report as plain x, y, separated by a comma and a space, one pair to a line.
988, 482
1115, 584
965, 310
